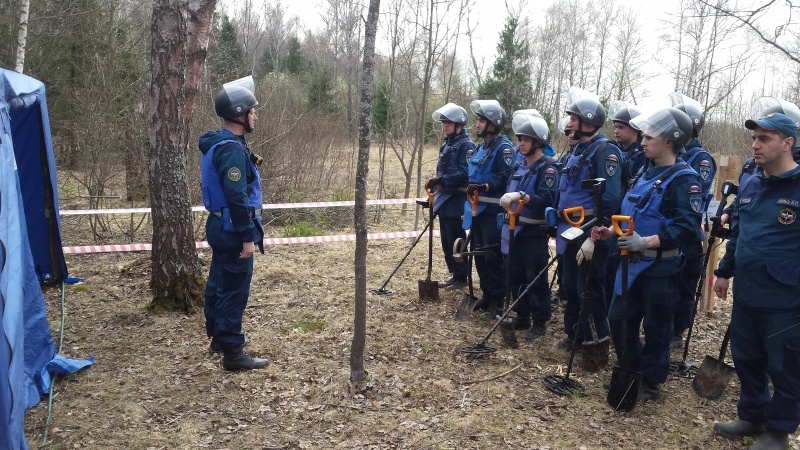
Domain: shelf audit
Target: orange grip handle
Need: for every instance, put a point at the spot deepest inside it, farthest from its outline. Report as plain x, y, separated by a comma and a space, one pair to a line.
617, 222
473, 198
514, 212
431, 194
574, 210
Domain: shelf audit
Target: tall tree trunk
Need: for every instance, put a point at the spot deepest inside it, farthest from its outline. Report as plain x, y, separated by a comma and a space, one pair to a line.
22, 34
177, 58
357, 372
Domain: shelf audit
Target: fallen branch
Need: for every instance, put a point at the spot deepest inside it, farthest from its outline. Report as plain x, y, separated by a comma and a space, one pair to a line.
490, 378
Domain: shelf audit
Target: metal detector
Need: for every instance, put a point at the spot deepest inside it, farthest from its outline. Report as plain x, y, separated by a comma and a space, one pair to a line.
481, 347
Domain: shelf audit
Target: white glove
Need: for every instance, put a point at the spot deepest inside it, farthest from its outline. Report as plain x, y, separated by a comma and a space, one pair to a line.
586, 251
508, 199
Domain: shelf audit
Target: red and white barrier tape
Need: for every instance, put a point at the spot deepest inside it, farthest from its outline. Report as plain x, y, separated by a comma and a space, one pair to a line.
118, 248
389, 201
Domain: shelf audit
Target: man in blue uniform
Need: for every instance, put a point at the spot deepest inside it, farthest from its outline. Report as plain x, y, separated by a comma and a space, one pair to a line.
489, 167
231, 188
665, 203
703, 163
765, 319
535, 182
593, 157
451, 178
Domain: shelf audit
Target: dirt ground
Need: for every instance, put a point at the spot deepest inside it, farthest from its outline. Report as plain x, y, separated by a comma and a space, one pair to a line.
155, 386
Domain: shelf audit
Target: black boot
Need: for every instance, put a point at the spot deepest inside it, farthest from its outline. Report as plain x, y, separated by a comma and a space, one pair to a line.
521, 322
537, 330
649, 392
218, 347
677, 340
738, 429
772, 440
237, 359
444, 284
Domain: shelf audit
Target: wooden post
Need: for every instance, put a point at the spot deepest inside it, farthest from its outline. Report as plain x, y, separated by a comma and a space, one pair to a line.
728, 169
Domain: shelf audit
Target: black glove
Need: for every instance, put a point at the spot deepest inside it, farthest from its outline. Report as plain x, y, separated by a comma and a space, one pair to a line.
433, 182
477, 187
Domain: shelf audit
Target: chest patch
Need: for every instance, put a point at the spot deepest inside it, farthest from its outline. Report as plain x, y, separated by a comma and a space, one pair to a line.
234, 174
787, 216
789, 202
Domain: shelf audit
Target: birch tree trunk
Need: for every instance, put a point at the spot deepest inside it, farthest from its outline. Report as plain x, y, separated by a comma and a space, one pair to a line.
357, 372
22, 34
180, 33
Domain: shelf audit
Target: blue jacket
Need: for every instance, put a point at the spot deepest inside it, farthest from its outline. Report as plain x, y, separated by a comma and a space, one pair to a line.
491, 163
669, 209
703, 163
539, 181
230, 180
451, 168
597, 158
765, 242
634, 158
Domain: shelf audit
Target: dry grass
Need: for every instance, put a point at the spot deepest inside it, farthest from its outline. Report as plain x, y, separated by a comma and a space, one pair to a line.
155, 386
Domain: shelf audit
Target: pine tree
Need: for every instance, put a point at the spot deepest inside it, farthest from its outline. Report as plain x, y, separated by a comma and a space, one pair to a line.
510, 82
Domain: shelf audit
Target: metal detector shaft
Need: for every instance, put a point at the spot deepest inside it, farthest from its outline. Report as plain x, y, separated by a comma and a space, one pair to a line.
507, 311
698, 293
405, 256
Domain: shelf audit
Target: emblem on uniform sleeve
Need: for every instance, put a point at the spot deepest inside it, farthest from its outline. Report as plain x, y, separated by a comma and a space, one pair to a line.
787, 216
705, 169
696, 198
508, 156
234, 174
550, 176
469, 154
612, 164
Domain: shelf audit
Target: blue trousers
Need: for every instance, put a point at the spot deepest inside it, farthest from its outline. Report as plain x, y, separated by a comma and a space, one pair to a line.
687, 285
449, 230
575, 280
490, 267
651, 305
528, 257
227, 286
765, 346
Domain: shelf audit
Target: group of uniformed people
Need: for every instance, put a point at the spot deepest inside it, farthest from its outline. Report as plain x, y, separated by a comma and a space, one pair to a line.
658, 173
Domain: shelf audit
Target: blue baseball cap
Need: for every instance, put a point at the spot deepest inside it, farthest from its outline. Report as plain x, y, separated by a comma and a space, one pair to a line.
774, 122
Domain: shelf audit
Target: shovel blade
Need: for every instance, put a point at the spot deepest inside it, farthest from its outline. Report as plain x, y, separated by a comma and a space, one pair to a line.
594, 354
428, 291
712, 378
624, 391
465, 307
509, 335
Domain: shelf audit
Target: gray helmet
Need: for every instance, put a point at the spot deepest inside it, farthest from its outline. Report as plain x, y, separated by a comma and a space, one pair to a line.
450, 113
234, 101
668, 123
769, 105
625, 114
491, 111
589, 110
532, 126
695, 113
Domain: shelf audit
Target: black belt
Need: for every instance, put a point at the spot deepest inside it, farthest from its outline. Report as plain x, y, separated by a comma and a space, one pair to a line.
253, 214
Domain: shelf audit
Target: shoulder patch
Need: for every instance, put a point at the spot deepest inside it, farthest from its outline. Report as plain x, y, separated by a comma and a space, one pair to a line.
612, 157
234, 174
705, 169
507, 151
550, 170
695, 189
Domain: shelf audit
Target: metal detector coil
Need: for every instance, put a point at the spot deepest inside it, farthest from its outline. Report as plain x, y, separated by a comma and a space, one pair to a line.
479, 349
562, 385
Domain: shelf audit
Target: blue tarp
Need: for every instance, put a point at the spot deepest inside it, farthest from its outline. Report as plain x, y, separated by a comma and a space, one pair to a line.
28, 208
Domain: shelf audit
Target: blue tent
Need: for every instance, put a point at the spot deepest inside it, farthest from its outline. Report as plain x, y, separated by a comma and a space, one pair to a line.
28, 209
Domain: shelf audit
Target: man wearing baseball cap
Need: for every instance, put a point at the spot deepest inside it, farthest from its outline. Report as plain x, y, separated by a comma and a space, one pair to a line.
765, 320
